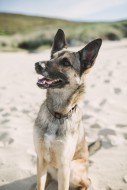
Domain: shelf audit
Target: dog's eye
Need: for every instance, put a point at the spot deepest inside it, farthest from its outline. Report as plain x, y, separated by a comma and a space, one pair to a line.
66, 62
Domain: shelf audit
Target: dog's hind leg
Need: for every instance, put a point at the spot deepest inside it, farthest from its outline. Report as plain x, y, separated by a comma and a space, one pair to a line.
79, 174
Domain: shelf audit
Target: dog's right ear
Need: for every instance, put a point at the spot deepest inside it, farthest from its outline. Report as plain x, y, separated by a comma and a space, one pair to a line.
59, 42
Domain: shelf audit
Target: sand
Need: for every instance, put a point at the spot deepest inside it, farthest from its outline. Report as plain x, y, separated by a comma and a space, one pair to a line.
105, 117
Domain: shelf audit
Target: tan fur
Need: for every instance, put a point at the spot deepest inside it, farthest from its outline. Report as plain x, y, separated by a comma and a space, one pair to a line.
65, 151
60, 143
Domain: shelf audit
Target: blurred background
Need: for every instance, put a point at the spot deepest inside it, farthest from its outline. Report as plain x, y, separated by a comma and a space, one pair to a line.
30, 25
27, 29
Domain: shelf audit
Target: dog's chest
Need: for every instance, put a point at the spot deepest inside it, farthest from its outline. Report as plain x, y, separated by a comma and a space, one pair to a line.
56, 149
49, 151
56, 141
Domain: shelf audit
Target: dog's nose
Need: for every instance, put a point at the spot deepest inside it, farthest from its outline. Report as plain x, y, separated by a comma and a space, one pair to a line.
41, 64
39, 67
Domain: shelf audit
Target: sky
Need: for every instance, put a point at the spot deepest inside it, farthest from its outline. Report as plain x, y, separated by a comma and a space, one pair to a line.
79, 10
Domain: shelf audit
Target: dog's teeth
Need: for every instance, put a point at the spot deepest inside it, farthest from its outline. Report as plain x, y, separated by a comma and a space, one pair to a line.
40, 77
56, 80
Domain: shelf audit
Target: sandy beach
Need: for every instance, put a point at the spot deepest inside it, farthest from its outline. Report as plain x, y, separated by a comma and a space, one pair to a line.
105, 117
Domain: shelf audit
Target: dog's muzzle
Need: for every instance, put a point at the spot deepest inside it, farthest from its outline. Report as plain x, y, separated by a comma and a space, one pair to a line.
40, 67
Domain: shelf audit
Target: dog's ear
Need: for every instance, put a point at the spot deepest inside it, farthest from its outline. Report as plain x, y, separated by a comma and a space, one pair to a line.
88, 54
59, 42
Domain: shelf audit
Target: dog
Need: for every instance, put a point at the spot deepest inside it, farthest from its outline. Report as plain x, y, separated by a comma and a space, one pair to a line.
59, 135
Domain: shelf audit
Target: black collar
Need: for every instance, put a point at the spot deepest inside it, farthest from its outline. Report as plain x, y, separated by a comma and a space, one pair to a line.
60, 115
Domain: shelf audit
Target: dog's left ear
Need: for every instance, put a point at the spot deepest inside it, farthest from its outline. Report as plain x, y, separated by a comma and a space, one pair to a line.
59, 42
88, 54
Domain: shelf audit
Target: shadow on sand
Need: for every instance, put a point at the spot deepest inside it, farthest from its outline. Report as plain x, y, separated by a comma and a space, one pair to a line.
28, 184
22, 184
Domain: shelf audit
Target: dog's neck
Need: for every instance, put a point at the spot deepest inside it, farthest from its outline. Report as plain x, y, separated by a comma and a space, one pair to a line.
63, 100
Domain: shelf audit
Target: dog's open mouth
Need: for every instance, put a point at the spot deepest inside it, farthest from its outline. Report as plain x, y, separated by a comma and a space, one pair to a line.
47, 82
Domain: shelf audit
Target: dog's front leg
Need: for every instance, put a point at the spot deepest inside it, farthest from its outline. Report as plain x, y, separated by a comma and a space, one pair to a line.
41, 173
63, 176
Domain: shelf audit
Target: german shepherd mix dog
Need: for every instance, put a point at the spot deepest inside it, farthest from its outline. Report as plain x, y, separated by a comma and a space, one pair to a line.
59, 135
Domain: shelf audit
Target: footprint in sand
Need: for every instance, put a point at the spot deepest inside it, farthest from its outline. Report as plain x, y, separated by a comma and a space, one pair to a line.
117, 90
1, 109
110, 73
106, 81
118, 63
93, 85
125, 136
121, 125
13, 109
103, 102
3, 87
86, 117
6, 139
111, 138
5, 118
106, 132
86, 102
6, 114
95, 125
5, 121
25, 111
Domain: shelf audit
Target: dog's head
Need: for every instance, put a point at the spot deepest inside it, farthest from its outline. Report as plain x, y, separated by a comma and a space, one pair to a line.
66, 67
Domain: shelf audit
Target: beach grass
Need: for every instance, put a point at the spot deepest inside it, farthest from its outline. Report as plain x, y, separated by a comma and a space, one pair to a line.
31, 32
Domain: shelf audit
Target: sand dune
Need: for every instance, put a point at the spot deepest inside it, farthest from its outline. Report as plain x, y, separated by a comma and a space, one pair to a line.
105, 118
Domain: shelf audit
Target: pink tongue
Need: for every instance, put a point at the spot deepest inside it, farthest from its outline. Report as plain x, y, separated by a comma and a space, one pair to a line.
48, 81
45, 81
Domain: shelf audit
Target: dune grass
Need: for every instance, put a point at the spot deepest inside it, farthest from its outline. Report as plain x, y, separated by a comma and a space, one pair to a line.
31, 32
